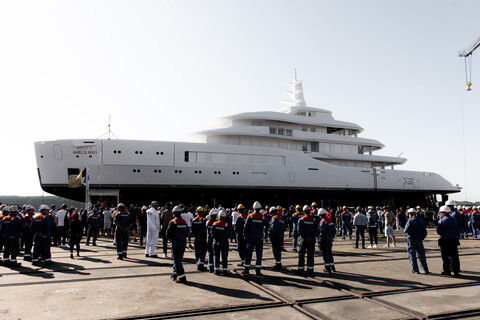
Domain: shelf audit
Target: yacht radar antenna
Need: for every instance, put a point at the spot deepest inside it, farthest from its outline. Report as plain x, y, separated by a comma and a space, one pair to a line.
296, 94
109, 132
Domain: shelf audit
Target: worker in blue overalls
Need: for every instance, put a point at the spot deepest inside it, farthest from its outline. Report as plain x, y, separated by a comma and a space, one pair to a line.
416, 231
327, 233
211, 253
221, 234
11, 228
124, 222
41, 228
307, 232
199, 232
253, 232
296, 216
177, 232
277, 231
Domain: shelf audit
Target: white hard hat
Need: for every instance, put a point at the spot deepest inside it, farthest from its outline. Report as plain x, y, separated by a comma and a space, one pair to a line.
450, 203
222, 214
257, 205
273, 209
6, 209
177, 209
14, 208
30, 207
418, 207
306, 208
411, 210
445, 209
213, 212
44, 207
144, 208
322, 211
459, 207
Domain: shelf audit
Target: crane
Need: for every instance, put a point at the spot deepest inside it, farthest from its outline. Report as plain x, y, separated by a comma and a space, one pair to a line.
467, 55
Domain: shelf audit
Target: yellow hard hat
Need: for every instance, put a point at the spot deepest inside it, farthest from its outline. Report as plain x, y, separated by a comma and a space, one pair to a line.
298, 207
314, 204
344, 207
240, 206
279, 208
199, 209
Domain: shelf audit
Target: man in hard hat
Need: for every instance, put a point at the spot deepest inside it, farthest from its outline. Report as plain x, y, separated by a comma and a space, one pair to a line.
11, 227
211, 252
254, 231
416, 232
475, 221
95, 222
307, 232
277, 231
27, 233
295, 218
199, 232
5, 211
239, 225
221, 234
153, 230
459, 216
327, 233
124, 222
447, 228
41, 226
177, 231
347, 219
372, 228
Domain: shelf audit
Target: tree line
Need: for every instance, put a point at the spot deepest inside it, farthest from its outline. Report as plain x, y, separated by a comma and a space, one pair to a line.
36, 201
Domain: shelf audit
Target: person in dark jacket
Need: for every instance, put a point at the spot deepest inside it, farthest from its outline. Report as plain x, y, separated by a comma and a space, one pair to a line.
277, 230
41, 228
327, 233
199, 232
307, 232
95, 222
254, 231
221, 234
372, 228
76, 231
11, 228
447, 228
239, 224
177, 231
416, 231
165, 218
124, 222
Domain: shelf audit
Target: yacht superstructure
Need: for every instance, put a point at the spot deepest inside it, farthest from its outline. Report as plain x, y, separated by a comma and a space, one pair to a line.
300, 153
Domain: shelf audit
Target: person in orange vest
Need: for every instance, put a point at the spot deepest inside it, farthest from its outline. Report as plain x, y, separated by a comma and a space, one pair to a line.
307, 231
199, 232
254, 232
211, 253
11, 228
177, 232
297, 216
221, 234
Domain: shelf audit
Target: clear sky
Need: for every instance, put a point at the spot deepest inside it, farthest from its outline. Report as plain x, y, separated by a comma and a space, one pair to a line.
165, 68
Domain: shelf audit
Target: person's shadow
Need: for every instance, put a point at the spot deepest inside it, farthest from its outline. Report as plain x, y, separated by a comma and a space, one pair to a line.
229, 292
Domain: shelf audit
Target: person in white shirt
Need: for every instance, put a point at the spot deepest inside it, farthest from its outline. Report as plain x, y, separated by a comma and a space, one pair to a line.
188, 217
153, 230
60, 224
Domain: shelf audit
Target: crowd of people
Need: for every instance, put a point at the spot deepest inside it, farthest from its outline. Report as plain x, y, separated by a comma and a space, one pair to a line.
214, 229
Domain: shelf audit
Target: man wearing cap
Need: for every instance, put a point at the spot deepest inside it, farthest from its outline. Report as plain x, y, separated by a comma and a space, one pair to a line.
11, 228
447, 228
153, 230
415, 232
124, 222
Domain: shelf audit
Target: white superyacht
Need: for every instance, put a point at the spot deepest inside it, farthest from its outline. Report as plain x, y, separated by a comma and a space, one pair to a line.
295, 155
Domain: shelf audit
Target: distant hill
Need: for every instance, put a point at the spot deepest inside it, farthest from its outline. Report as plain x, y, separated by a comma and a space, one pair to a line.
36, 201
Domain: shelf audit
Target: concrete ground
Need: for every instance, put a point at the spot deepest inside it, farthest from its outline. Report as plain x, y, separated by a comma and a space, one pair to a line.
368, 284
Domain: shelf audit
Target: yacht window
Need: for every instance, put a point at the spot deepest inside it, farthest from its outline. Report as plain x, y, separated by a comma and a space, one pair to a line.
281, 131
273, 130
312, 129
314, 146
186, 156
301, 113
304, 128
288, 132
304, 147
258, 123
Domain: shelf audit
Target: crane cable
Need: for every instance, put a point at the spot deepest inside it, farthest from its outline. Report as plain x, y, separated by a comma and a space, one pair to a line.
463, 128
468, 71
